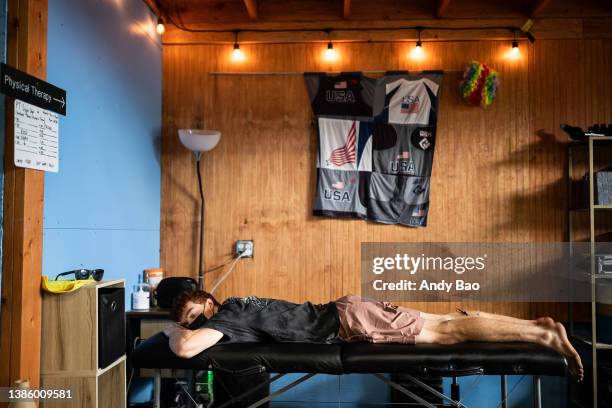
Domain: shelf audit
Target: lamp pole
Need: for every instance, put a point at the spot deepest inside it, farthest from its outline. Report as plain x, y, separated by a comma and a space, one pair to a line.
198, 156
198, 141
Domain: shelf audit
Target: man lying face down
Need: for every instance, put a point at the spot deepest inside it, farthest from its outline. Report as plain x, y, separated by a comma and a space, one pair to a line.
204, 322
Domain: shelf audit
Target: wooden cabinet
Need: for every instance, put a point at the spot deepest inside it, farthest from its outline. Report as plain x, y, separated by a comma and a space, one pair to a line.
69, 350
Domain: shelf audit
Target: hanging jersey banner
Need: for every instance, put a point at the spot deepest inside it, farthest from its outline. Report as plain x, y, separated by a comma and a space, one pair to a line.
376, 139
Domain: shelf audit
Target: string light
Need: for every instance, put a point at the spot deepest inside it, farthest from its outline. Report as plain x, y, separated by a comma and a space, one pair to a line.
417, 51
237, 54
179, 25
514, 53
160, 23
160, 26
330, 54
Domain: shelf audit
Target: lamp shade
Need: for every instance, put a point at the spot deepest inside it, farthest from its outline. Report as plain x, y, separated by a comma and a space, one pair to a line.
199, 140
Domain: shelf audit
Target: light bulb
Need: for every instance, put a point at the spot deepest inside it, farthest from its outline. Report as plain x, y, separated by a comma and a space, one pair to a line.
515, 52
160, 27
237, 54
417, 51
330, 54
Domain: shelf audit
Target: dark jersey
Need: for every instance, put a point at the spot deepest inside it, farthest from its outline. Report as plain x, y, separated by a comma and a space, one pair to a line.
252, 319
348, 94
403, 149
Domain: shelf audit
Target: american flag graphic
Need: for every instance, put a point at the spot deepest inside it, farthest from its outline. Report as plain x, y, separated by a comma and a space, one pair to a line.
340, 85
404, 155
418, 212
338, 184
410, 104
346, 154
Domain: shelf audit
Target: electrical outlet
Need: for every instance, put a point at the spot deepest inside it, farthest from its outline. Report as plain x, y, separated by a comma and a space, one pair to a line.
244, 247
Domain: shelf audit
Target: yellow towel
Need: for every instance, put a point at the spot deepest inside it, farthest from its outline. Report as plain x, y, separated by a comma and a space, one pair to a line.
63, 286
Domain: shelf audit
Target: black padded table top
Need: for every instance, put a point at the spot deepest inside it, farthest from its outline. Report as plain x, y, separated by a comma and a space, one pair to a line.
274, 357
457, 359
441, 360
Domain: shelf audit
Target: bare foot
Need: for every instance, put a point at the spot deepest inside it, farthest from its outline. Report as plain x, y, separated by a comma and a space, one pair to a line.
546, 322
561, 343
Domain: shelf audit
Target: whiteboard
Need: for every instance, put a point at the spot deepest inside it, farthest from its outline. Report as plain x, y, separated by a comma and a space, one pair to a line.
36, 137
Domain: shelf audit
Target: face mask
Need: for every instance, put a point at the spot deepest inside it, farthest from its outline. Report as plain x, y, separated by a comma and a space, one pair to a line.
198, 322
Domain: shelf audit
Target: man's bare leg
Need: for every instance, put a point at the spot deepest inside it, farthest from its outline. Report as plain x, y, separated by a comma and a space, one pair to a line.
478, 313
544, 332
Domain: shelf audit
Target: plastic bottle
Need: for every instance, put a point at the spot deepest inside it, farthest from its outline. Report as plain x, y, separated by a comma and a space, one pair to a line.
141, 295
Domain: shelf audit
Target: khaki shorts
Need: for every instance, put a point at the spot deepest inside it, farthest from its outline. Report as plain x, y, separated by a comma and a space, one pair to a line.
377, 322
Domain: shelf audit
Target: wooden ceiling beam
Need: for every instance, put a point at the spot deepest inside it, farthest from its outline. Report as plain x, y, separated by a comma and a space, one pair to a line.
442, 7
346, 10
251, 6
247, 12
538, 6
153, 6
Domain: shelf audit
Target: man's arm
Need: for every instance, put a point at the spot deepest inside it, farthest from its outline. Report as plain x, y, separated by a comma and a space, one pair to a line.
188, 343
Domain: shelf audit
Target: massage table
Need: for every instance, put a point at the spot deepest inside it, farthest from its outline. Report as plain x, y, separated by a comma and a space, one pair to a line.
363, 358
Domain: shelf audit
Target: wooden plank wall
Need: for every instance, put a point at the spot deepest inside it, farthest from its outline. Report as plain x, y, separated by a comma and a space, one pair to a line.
498, 176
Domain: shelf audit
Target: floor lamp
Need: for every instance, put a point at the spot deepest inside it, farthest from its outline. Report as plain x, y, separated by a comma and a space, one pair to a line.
198, 141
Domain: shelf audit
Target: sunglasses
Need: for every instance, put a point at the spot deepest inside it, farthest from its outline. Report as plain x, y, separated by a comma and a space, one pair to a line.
82, 274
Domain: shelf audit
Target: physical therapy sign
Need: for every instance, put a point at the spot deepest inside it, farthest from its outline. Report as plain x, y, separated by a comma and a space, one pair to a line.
32, 90
37, 106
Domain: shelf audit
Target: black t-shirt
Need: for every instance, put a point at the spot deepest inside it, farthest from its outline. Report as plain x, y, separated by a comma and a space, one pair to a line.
252, 319
347, 94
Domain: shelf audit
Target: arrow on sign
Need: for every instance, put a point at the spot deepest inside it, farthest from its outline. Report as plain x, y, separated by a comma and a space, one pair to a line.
17, 84
63, 101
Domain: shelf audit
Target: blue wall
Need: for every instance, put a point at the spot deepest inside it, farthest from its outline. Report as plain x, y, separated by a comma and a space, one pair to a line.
102, 209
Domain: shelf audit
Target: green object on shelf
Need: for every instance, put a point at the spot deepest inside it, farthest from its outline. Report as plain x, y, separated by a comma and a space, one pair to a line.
210, 380
204, 383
